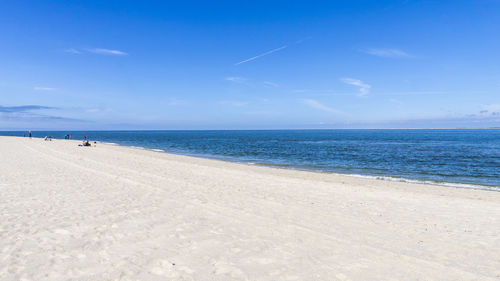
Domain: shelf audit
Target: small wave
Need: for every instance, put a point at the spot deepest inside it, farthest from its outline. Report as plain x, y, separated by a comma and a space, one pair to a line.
387, 178
138, 147
157, 150
109, 143
449, 184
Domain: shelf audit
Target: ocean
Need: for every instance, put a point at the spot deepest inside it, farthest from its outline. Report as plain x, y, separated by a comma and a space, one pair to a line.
462, 158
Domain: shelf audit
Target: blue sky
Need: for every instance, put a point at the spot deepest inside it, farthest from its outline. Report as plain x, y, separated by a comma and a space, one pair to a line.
249, 64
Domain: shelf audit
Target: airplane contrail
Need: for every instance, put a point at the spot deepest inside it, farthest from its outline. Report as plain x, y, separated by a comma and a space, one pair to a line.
261, 55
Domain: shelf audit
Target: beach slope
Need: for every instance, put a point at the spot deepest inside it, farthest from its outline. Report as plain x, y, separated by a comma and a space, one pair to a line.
117, 213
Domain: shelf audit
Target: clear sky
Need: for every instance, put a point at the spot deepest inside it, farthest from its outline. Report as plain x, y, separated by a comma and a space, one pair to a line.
249, 64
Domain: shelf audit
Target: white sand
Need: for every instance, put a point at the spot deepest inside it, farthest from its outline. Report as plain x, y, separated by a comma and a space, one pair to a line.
116, 213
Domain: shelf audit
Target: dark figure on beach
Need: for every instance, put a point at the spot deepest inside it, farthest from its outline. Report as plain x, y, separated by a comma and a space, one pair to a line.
29, 134
85, 143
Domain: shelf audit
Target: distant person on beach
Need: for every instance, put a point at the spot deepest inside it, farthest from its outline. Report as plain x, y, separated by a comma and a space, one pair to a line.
85, 143
29, 134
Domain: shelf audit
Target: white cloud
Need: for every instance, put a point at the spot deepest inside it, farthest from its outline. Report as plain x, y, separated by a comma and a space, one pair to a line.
176, 101
490, 109
43, 88
388, 53
270, 84
236, 79
302, 40
100, 51
300, 91
233, 103
364, 88
72, 51
317, 105
107, 52
261, 55
396, 102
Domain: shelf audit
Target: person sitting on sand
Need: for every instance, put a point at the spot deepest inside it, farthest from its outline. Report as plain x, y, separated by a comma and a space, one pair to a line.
85, 143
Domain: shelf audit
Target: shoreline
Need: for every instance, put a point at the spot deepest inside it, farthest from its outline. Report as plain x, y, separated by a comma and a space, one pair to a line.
495, 188
407, 183
118, 213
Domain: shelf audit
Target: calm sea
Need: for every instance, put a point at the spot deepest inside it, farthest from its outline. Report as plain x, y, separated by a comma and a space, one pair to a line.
467, 158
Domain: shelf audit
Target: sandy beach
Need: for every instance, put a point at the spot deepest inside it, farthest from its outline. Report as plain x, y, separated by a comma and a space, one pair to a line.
116, 213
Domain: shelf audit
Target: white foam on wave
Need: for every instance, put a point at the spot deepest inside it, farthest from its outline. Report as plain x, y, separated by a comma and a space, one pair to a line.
388, 178
449, 184
138, 147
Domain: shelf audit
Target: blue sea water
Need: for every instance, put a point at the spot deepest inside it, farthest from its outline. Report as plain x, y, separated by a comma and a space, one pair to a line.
457, 157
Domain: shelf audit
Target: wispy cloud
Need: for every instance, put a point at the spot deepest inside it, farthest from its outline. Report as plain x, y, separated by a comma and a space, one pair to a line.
100, 51
27, 114
300, 91
490, 109
233, 103
270, 84
236, 79
23, 108
34, 117
396, 102
317, 105
176, 101
364, 88
261, 55
72, 51
388, 53
302, 40
415, 93
36, 88
108, 52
